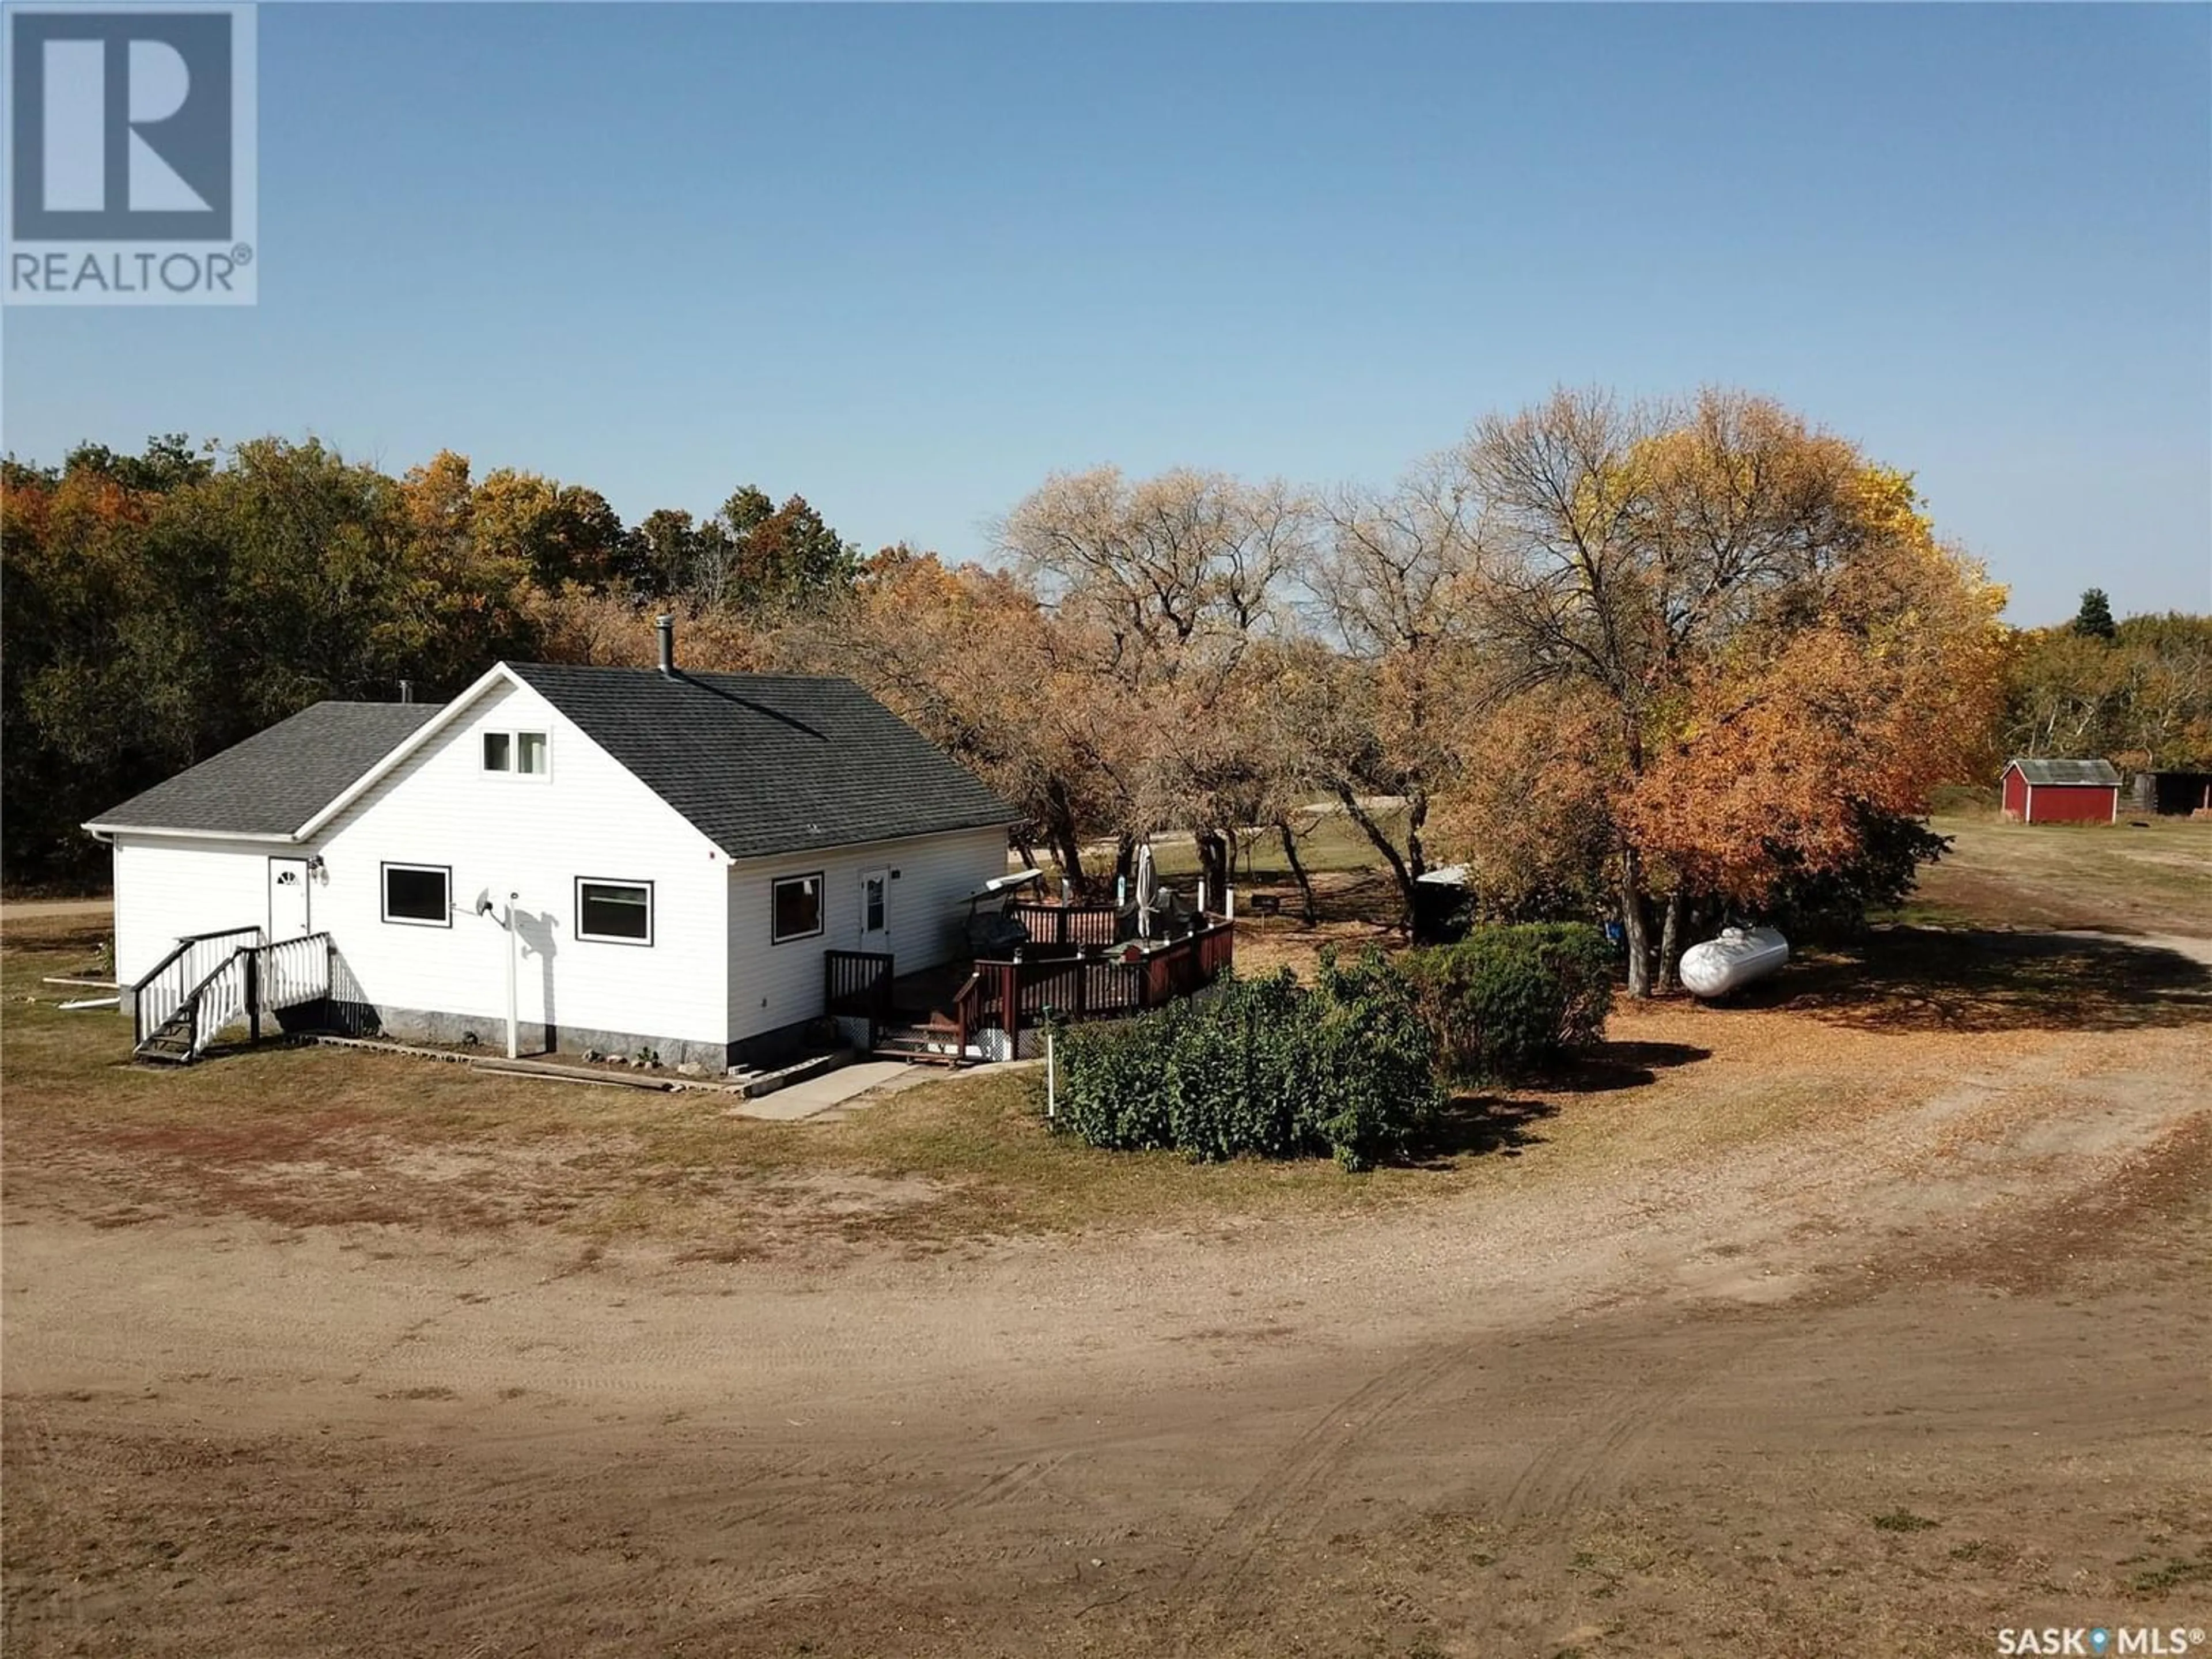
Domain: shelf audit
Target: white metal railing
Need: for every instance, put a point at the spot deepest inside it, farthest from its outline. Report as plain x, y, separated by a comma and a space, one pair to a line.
292, 972
253, 979
221, 999
164, 988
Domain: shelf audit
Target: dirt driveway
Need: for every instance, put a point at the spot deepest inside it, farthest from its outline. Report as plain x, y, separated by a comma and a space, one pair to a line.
1879, 1381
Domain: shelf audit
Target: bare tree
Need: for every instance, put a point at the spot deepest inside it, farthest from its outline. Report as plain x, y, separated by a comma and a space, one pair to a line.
971, 658
1387, 580
1158, 589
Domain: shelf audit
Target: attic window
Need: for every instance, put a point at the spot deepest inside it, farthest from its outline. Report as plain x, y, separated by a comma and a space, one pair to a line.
797, 908
523, 753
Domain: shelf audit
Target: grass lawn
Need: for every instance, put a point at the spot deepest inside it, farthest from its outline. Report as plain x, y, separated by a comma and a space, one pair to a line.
2155, 879
307, 1135
1868, 1303
1329, 843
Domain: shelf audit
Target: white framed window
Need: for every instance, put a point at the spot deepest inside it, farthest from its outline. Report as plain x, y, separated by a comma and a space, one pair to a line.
614, 912
875, 904
796, 907
418, 895
518, 754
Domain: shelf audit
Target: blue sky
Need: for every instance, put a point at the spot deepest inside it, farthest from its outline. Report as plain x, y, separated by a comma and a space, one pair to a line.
906, 261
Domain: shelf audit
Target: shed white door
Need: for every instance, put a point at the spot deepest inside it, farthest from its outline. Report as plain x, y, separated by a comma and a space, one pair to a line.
875, 909
287, 900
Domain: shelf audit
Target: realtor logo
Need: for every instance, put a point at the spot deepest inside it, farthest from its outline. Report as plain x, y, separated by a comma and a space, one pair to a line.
131, 164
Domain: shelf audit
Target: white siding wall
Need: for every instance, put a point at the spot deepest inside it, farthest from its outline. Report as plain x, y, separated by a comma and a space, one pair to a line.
164, 886
711, 975
505, 832
772, 985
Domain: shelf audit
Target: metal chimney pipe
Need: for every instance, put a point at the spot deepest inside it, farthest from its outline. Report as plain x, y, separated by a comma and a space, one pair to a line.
406, 691
666, 625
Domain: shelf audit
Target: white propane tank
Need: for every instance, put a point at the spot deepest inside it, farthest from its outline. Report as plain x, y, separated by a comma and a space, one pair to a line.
1733, 961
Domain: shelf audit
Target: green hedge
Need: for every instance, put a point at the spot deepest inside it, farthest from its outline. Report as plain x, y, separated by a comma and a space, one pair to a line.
1505, 999
1264, 1066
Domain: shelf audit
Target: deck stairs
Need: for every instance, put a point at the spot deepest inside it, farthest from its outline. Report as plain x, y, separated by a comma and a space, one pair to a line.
173, 1041
212, 982
931, 1042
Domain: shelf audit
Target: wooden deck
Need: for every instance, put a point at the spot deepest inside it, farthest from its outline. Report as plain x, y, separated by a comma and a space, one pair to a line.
929, 990
966, 1010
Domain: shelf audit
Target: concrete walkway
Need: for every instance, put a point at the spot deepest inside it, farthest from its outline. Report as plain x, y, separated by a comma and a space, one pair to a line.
826, 1093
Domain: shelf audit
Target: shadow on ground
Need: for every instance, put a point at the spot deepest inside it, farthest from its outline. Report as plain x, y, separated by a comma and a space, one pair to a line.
1965, 979
1480, 1125
1612, 1066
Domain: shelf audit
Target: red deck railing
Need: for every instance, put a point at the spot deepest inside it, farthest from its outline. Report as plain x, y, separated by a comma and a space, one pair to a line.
1072, 924
1080, 983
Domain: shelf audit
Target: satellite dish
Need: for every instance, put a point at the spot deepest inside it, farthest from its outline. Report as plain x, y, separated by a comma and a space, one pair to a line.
483, 902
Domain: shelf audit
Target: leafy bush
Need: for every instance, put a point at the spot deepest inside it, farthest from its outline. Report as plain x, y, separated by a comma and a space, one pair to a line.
1836, 903
1263, 1066
1507, 998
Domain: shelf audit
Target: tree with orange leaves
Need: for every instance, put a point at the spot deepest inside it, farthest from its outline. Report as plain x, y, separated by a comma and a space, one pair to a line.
1740, 626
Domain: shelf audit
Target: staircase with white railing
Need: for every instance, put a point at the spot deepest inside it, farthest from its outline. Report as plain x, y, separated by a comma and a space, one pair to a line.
212, 980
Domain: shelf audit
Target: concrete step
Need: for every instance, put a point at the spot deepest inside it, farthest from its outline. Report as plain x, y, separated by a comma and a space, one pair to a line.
913, 1054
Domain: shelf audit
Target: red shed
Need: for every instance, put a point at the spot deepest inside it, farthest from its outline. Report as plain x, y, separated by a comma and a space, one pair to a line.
2060, 791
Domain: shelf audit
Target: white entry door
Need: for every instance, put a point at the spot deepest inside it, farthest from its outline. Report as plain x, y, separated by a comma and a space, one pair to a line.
875, 909
287, 900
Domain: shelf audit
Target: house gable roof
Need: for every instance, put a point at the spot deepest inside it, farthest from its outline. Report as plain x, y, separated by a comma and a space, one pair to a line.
275, 781
2097, 773
763, 764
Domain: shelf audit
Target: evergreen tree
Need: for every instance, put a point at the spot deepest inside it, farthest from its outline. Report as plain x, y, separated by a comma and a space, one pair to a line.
2094, 618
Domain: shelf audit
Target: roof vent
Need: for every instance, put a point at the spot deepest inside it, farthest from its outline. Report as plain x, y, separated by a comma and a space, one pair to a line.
666, 625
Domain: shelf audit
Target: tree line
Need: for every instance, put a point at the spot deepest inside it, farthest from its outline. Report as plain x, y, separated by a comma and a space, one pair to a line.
2137, 692
159, 607
1656, 662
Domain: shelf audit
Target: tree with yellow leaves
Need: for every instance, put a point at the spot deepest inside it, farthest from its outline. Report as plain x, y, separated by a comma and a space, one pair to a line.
1739, 626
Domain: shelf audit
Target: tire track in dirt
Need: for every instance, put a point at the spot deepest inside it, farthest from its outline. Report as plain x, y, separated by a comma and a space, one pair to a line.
1581, 1463
525, 1598
825, 1509
1590, 1458
1015, 1481
1221, 1567
763, 1487
413, 1331
52, 1608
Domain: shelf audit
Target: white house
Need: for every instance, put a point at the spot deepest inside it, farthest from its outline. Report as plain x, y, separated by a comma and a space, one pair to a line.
679, 851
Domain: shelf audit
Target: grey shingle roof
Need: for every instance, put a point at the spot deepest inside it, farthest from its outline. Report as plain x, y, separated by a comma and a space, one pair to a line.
2067, 771
770, 763
276, 779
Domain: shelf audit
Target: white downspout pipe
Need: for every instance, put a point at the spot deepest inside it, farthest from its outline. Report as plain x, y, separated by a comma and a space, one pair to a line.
513, 950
